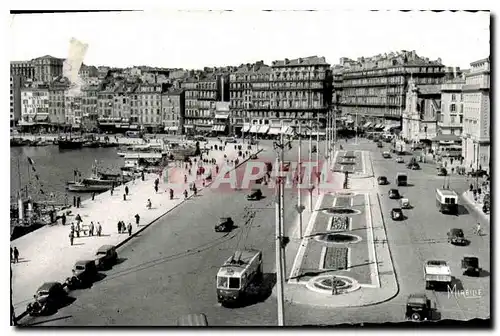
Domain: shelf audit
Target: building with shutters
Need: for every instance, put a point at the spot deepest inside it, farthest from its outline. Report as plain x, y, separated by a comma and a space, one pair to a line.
173, 111
476, 133
34, 105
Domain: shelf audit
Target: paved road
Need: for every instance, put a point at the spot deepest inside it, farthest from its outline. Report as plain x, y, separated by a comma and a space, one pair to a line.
169, 270
160, 280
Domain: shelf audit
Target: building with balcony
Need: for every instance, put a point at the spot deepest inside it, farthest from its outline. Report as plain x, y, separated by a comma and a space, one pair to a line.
89, 107
57, 92
373, 89
149, 100
15, 99
34, 104
419, 118
476, 118
73, 110
23, 69
47, 68
189, 85
173, 110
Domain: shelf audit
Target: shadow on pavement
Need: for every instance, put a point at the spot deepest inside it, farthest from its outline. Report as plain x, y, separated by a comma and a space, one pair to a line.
100, 276
462, 210
456, 284
484, 273
46, 321
258, 291
120, 260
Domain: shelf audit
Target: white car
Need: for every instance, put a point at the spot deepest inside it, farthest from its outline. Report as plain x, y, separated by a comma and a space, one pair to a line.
386, 155
399, 159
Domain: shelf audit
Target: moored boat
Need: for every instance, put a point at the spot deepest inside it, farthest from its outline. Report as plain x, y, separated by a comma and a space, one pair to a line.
70, 143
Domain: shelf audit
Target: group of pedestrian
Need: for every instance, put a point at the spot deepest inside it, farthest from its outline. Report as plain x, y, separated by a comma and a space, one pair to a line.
122, 228
14, 255
77, 201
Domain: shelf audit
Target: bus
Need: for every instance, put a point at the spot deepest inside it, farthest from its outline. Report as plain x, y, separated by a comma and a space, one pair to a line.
236, 274
447, 201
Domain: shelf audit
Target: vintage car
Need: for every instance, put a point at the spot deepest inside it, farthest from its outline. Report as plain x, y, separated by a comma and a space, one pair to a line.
418, 308
48, 298
225, 224
456, 237
386, 155
84, 273
413, 166
255, 195
397, 214
399, 159
382, 180
380, 144
478, 173
470, 266
405, 203
106, 256
441, 171
394, 194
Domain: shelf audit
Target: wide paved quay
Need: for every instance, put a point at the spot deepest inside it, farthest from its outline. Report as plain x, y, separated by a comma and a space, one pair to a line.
47, 255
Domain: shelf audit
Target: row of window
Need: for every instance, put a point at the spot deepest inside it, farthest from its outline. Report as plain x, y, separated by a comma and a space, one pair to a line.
381, 72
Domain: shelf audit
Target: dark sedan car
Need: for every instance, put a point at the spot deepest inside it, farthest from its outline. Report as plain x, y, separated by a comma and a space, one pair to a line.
255, 195
382, 180
106, 256
394, 194
48, 299
397, 214
225, 224
413, 166
456, 237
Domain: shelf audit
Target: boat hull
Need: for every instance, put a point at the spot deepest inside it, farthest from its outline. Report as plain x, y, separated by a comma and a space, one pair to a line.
65, 144
87, 188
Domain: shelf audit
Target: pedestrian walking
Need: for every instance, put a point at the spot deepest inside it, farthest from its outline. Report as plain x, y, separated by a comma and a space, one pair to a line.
111, 191
74, 201
124, 197
71, 237
119, 226
16, 255
185, 179
142, 175
78, 219
149, 204
185, 194
129, 227
78, 229
126, 190
137, 219
79, 201
91, 229
99, 229
156, 188
63, 219
93, 196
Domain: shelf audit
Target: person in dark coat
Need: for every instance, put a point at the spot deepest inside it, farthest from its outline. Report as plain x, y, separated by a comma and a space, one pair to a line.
119, 226
99, 229
129, 227
63, 219
71, 237
126, 190
137, 219
91, 229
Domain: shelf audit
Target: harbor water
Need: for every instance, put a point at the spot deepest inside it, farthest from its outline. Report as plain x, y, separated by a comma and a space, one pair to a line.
54, 168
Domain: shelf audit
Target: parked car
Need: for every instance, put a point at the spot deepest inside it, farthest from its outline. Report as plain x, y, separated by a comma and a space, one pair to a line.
386, 155
255, 195
106, 256
442, 171
48, 298
479, 173
456, 236
397, 214
225, 224
470, 266
413, 166
399, 159
84, 273
394, 194
382, 180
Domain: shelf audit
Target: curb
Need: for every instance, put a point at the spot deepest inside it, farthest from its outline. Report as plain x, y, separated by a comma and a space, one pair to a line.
175, 206
23, 314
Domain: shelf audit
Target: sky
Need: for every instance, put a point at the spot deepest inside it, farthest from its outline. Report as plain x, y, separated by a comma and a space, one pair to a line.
195, 39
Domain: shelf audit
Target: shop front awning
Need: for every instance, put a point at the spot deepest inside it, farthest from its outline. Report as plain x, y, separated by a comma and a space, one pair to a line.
290, 130
221, 116
171, 128
219, 128
284, 129
188, 126
264, 129
368, 124
446, 137
254, 128
246, 128
134, 126
274, 131
379, 126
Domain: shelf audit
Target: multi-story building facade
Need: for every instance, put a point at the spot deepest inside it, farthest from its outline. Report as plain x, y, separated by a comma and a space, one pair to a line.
57, 91
47, 68
34, 104
173, 111
73, 109
149, 99
450, 120
89, 106
24, 69
191, 103
419, 118
87, 71
373, 90
15, 99
476, 121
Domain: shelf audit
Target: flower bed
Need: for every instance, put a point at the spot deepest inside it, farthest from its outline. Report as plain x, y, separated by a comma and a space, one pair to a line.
339, 223
336, 258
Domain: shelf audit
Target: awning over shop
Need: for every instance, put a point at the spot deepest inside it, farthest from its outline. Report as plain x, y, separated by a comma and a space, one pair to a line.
134, 126
264, 129
285, 130
315, 133
379, 126
254, 128
446, 137
41, 117
391, 126
368, 124
290, 130
171, 128
221, 116
218, 128
188, 126
246, 128
274, 130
